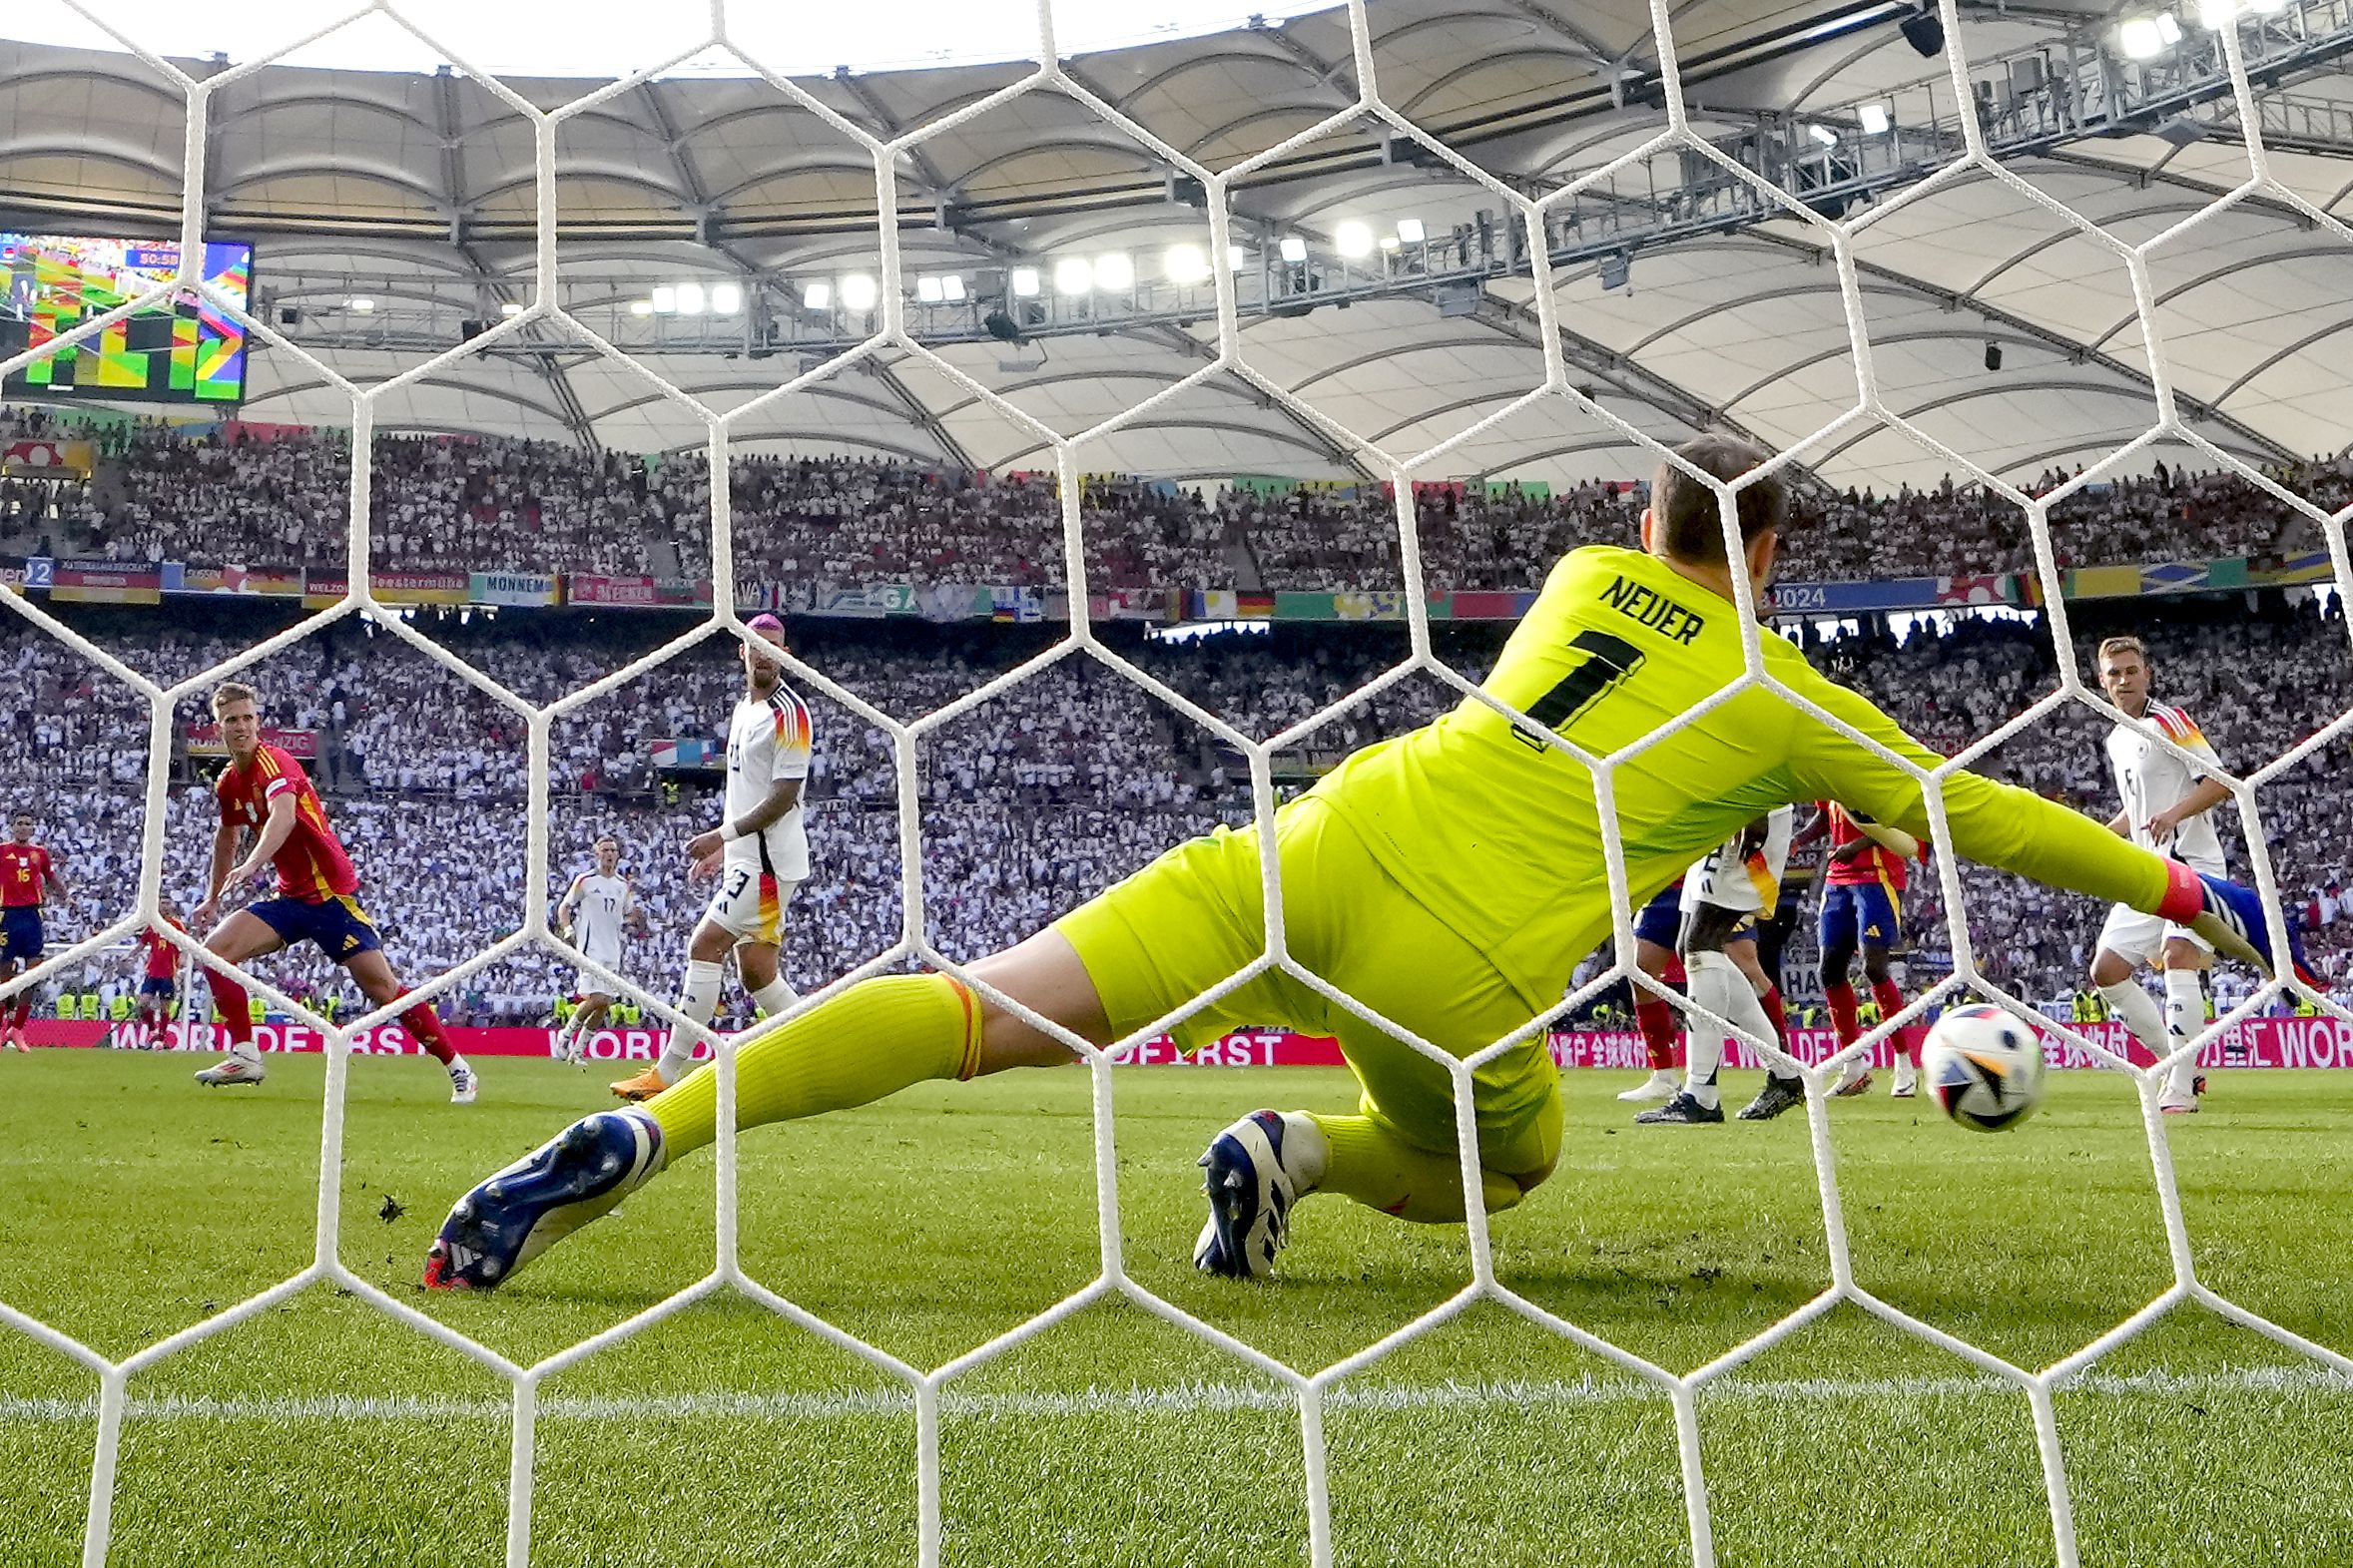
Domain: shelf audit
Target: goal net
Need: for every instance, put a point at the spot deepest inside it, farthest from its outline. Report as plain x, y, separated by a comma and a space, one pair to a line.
1536, 217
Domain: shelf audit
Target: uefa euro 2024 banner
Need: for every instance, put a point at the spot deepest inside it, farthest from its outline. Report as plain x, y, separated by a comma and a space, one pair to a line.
2260, 1042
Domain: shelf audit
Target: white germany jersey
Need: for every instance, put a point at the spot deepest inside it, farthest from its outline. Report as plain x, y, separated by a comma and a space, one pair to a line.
599, 905
766, 741
1749, 884
2151, 779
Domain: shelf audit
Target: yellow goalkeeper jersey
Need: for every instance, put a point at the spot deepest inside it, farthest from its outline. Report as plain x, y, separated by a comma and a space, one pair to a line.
1497, 833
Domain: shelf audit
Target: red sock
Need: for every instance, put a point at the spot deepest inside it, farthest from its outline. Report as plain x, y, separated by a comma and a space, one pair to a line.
24, 1008
1657, 1021
1777, 1015
236, 1012
1841, 998
425, 1024
1890, 997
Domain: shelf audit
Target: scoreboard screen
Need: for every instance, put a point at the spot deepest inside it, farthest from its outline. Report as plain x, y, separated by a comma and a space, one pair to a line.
183, 351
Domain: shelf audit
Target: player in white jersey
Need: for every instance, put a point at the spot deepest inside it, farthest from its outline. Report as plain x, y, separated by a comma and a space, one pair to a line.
1724, 895
2165, 805
759, 854
590, 916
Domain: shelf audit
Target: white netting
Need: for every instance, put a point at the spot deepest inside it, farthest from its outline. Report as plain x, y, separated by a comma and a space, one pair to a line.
1310, 1389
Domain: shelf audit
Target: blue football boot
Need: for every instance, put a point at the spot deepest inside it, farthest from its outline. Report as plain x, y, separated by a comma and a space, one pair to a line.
581, 1173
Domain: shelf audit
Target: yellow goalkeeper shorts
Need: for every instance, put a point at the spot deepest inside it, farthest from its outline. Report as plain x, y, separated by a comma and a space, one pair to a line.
1195, 916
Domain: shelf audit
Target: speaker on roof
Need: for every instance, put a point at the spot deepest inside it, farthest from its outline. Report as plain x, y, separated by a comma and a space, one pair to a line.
1000, 327
1992, 357
1924, 30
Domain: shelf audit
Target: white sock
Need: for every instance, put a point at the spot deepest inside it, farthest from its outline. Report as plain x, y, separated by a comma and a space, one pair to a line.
2185, 1015
1717, 985
458, 1065
245, 1051
774, 997
2138, 1009
698, 999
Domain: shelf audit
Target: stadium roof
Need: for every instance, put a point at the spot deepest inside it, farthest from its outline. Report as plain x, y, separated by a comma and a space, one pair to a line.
414, 190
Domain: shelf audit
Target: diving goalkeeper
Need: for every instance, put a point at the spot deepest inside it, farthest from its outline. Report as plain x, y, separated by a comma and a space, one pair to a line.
1446, 880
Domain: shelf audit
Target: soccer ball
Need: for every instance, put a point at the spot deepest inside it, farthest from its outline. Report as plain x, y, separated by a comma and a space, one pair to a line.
1983, 1067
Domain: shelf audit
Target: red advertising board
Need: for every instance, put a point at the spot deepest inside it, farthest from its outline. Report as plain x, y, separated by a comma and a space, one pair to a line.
639, 591
2262, 1042
203, 739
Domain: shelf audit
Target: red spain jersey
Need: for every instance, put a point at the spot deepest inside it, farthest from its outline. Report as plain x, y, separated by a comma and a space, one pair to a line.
24, 875
1878, 863
311, 865
162, 958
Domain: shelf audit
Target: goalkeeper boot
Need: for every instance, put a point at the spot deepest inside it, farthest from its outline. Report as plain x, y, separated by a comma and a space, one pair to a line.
1254, 1171
577, 1176
1684, 1110
2231, 920
1778, 1095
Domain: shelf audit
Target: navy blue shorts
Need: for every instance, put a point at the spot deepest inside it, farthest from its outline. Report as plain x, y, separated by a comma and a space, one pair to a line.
1661, 920
1858, 915
21, 936
338, 926
167, 989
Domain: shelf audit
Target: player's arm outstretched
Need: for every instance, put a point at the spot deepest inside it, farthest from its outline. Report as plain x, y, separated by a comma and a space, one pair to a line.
2002, 825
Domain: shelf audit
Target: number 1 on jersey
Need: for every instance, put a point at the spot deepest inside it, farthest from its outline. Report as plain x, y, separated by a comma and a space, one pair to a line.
1608, 660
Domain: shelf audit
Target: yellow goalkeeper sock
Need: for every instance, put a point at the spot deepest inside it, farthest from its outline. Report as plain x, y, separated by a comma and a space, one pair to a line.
874, 1039
1372, 1165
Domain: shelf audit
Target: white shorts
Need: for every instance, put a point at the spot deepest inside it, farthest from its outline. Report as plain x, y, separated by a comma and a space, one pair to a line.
1748, 884
750, 906
2142, 938
607, 953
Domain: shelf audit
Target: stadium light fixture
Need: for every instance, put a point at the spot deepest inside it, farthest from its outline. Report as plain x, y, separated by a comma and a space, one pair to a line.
952, 288
1185, 264
641, 307
1293, 249
1823, 133
858, 293
665, 299
725, 298
691, 299
510, 309
928, 290
1115, 271
1073, 275
1389, 243
818, 295
1353, 239
2140, 38
1236, 258
2268, 7
1024, 281
1874, 119
2168, 28
360, 305
1410, 231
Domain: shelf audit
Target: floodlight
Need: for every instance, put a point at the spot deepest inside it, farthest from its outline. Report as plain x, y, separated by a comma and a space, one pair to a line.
725, 298
1024, 281
1874, 119
665, 299
1353, 239
690, 298
1293, 249
1185, 264
858, 293
1073, 275
818, 295
1115, 272
1409, 230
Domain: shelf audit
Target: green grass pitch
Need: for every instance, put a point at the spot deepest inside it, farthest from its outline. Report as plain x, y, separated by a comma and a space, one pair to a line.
327, 1432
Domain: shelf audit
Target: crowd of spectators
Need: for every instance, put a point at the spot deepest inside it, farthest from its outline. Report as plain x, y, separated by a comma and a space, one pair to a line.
1032, 800
266, 495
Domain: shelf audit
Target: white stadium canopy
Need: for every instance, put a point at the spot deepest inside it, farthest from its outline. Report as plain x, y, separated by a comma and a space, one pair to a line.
1999, 321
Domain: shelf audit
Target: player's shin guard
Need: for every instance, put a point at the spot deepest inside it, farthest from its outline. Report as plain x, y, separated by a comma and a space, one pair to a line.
1890, 996
2185, 1015
237, 1011
2139, 1010
698, 999
774, 997
1657, 1022
874, 1039
1846, 1018
425, 1024
1368, 1162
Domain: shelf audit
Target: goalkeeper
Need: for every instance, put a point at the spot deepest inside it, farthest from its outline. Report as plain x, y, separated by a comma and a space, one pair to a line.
1446, 880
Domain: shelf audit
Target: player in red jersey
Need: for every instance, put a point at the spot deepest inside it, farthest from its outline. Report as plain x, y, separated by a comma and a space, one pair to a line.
1863, 904
159, 976
28, 875
264, 792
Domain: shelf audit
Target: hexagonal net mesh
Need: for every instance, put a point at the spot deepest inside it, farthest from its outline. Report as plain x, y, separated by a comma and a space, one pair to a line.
1308, 1388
